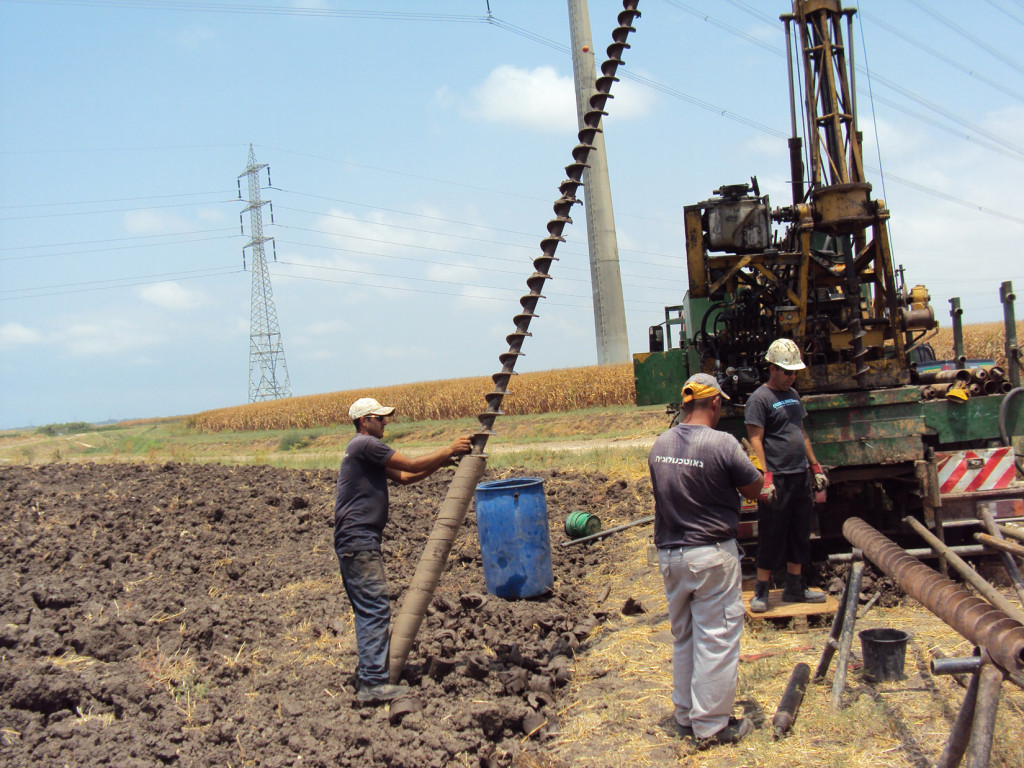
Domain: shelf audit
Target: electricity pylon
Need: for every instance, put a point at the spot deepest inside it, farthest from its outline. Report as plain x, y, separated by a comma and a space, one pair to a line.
268, 371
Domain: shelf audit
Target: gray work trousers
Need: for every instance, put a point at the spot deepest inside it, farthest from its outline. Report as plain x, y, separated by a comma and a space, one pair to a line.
705, 607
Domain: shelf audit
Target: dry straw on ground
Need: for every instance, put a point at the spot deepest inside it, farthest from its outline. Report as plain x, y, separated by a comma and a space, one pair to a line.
620, 698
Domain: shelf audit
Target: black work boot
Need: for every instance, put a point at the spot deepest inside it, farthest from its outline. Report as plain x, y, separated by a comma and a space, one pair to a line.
759, 602
796, 592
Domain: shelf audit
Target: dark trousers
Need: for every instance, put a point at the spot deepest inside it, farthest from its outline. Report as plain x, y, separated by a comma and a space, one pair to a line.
367, 590
784, 528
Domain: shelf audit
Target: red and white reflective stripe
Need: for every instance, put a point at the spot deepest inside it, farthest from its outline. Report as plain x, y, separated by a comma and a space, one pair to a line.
966, 471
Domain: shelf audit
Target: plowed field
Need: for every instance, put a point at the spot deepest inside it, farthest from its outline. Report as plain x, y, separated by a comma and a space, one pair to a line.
192, 615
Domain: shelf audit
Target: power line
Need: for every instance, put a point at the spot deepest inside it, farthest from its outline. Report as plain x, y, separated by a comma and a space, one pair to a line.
998, 7
115, 240
391, 286
272, 10
969, 71
111, 210
662, 279
113, 200
968, 36
419, 246
116, 248
142, 281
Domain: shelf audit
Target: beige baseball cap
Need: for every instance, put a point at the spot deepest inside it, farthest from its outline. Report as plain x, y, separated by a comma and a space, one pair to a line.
367, 406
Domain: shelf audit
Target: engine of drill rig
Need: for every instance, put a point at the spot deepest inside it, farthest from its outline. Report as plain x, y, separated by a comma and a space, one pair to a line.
850, 313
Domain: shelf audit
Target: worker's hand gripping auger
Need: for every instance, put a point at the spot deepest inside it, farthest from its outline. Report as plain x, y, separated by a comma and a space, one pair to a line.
471, 467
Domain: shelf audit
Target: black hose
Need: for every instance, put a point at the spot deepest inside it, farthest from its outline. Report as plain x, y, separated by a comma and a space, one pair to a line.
1003, 406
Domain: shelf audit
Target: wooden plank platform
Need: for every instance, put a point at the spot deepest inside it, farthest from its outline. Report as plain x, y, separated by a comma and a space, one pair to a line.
797, 611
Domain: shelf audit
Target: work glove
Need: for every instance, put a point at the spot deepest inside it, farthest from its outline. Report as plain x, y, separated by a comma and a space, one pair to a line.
767, 495
820, 478
751, 454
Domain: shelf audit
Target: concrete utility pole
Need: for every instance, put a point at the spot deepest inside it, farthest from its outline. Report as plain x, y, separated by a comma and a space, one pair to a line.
605, 279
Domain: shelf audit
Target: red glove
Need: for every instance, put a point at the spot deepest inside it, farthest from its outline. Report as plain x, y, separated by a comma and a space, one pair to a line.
767, 495
820, 478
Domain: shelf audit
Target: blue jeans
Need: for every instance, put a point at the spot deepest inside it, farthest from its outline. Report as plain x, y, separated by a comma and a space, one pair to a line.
705, 608
367, 590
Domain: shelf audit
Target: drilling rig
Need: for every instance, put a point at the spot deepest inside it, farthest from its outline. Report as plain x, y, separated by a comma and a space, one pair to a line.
819, 270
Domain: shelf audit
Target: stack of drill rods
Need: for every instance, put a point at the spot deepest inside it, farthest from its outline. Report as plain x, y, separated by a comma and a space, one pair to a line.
471, 468
975, 381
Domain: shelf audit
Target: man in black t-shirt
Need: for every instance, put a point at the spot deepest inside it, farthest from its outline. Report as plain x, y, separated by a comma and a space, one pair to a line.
774, 417
360, 514
697, 473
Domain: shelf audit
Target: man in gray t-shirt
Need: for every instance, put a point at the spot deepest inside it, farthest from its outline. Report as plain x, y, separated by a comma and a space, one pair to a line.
360, 514
774, 417
697, 474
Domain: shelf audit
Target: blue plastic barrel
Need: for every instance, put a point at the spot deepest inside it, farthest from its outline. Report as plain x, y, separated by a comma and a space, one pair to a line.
512, 523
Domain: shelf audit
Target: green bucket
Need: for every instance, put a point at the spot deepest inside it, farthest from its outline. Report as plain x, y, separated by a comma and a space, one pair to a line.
580, 524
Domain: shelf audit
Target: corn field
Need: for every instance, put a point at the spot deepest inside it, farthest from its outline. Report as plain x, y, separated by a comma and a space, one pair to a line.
566, 389
556, 391
981, 341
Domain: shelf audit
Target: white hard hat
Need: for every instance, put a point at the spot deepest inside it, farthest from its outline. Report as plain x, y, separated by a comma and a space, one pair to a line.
367, 406
785, 354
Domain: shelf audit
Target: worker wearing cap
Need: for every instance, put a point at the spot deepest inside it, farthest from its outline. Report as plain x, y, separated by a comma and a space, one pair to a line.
698, 474
360, 513
774, 417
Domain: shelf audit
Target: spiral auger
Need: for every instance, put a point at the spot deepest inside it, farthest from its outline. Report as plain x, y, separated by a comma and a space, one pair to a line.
471, 468
562, 207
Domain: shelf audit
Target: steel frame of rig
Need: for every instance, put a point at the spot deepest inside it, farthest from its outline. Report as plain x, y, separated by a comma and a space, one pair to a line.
826, 279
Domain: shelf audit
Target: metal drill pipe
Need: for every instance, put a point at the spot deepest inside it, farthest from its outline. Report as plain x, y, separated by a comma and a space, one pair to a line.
1000, 545
1014, 533
453, 510
972, 617
933, 377
964, 568
785, 715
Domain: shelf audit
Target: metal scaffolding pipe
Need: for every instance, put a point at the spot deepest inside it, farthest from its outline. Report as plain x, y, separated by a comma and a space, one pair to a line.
959, 735
923, 552
971, 616
979, 749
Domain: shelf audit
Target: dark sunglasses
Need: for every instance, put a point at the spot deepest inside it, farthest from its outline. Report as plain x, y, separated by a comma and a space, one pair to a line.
375, 417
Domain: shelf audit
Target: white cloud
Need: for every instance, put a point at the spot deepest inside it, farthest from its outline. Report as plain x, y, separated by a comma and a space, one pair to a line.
107, 339
327, 327
630, 101
16, 334
195, 36
539, 99
151, 222
170, 296
542, 100
210, 214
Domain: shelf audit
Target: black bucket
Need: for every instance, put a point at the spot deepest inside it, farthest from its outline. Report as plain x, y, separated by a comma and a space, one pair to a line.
884, 651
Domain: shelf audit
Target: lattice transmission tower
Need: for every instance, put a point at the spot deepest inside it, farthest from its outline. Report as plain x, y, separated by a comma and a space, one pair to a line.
268, 371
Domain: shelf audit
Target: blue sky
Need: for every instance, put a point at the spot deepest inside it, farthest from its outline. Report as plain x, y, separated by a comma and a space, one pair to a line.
415, 151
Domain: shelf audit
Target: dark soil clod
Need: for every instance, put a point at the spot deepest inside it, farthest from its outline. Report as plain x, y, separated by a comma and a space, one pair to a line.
193, 615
